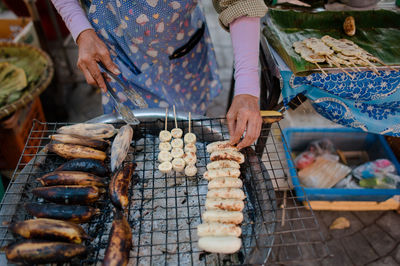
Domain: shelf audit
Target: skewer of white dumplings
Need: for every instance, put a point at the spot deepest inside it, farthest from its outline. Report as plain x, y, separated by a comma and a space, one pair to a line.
190, 153
165, 157
178, 164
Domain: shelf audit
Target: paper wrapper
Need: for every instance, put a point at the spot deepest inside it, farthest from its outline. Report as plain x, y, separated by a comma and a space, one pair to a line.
323, 173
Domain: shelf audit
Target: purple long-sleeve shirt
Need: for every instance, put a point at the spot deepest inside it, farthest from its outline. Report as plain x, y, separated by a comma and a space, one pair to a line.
245, 34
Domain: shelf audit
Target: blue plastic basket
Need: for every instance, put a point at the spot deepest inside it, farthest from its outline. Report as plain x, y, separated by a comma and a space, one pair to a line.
344, 139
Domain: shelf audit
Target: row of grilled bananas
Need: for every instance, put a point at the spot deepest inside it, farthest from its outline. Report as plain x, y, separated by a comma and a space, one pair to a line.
78, 181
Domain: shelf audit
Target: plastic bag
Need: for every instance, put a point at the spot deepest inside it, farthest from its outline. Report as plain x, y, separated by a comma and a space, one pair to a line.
377, 174
371, 169
319, 148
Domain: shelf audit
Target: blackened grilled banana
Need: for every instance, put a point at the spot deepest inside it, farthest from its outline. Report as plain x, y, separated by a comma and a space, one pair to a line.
73, 151
71, 213
69, 194
91, 130
120, 146
119, 185
84, 141
119, 243
49, 229
36, 251
92, 166
71, 178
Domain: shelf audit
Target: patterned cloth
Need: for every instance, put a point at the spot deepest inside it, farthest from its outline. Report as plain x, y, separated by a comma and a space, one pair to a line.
141, 35
229, 10
369, 102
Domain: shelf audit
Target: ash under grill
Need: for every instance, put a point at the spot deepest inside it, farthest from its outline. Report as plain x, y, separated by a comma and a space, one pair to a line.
165, 210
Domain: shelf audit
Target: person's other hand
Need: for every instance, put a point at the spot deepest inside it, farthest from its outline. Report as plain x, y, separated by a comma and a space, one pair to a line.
91, 51
244, 114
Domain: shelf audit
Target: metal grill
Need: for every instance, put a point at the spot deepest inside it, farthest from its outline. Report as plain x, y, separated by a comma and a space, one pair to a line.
165, 210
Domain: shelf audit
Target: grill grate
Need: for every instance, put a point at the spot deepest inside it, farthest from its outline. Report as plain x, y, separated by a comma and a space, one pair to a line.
165, 210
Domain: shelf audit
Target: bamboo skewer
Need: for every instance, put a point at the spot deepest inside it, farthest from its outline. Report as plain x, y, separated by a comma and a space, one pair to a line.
320, 69
358, 69
338, 65
372, 66
190, 118
176, 123
383, 64
166, 119
283, 208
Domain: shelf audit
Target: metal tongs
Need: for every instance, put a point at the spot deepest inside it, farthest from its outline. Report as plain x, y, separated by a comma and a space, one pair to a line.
130, 93
126, 113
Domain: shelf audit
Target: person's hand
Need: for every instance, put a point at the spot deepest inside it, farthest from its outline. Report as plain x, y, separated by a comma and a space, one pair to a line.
91, 51
244, 114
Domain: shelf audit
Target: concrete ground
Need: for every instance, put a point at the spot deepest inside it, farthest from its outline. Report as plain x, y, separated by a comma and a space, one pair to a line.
373, 237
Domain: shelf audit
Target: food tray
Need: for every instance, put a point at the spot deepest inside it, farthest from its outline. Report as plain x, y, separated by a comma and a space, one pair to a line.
165, 210
345, 139
378, 32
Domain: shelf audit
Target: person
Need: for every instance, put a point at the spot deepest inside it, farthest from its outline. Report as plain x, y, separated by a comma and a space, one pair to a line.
163, 51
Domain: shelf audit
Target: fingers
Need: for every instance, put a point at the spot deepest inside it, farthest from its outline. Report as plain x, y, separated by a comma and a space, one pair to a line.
252, 132
108, 63
88, 76
231, 119
241, 122
96, 75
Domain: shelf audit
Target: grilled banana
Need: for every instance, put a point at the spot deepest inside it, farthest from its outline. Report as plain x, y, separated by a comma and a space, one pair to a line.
71, 213
165, 167
224, 204
164, 146
165, 136
49, 229
190, 138
177, 143
176, 133
164, 156
36, 251
225, 182
178, 164
220, 146
119, 186
222, 164
225, 217
84, 141
120, 242
227, 155
218, 229
71, 178
90, 130
177, 152
120, 146
224, 172
190, 170
190, 148
69, 194
226, 193
73, 151
190, 158
92, 166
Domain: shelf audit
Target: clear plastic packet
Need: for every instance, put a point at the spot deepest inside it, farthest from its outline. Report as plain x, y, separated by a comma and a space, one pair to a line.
373, 168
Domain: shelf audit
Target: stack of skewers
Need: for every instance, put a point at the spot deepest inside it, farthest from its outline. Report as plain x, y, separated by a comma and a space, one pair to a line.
337, 52
183, 158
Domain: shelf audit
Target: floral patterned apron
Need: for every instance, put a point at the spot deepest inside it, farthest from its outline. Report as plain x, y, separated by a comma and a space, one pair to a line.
148, 40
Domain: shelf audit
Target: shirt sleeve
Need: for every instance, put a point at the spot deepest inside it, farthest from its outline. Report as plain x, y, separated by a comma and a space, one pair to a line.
229, 10
245, 34
73, 15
